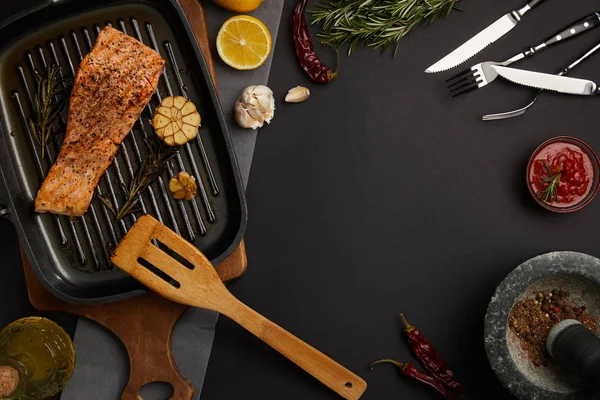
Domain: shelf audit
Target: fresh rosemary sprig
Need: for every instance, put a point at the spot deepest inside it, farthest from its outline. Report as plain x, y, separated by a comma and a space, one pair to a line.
376, 23
48, 101
551, 191
152, 166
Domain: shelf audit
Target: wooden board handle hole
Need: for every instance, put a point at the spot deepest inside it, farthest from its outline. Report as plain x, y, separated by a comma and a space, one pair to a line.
156, 391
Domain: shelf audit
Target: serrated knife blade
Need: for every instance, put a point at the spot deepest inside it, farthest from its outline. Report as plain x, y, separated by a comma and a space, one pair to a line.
483, 39
539, 80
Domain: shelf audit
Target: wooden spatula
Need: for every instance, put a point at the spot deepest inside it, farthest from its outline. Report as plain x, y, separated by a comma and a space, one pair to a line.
197, 284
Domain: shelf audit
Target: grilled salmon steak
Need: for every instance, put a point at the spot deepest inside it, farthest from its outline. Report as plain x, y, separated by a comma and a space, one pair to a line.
114, 83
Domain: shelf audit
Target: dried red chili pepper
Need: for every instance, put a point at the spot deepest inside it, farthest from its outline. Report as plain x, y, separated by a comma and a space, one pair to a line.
309, 60
409, 370
430, 358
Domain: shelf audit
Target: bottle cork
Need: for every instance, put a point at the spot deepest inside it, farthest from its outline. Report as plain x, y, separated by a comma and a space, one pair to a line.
9, 380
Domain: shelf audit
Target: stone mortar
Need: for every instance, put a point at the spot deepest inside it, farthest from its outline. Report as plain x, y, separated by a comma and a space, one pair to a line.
576, 272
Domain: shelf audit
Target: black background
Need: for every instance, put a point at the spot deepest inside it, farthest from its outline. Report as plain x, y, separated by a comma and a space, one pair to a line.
382, 195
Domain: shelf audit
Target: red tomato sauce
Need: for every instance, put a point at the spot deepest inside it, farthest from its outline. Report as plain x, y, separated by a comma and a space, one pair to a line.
575, 167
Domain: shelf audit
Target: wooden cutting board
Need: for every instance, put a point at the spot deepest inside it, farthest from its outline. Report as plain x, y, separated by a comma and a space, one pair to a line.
145, 323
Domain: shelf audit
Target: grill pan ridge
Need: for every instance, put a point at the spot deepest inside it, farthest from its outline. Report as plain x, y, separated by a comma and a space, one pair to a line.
71, 256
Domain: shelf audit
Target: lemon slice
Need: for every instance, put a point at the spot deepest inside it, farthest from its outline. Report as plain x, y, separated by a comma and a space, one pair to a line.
244, 42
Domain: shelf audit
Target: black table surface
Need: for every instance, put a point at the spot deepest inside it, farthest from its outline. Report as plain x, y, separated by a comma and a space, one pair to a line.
382, 195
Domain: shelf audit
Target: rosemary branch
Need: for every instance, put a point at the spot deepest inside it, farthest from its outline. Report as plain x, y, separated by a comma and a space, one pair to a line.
551, 191
153, 165
49, 100
375, 23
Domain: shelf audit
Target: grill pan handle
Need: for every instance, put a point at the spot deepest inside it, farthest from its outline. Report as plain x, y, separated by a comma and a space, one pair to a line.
57, 2
5, 200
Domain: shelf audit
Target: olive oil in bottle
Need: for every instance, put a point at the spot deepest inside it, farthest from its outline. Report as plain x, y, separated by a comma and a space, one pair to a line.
36, 359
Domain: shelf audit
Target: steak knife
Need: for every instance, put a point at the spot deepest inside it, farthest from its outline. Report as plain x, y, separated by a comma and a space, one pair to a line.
562, 84
483, 39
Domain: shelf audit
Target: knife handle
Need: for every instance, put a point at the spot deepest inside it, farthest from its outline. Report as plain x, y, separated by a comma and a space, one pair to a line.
534, 3
583, 25
526, 8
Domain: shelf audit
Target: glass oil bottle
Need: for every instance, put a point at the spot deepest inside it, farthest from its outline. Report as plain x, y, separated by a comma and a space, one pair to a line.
36, 359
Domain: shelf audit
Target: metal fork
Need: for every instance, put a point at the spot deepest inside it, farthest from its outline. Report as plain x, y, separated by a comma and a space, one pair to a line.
521, 111
481, 74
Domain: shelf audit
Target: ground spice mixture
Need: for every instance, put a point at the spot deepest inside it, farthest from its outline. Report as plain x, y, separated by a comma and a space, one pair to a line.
533, 318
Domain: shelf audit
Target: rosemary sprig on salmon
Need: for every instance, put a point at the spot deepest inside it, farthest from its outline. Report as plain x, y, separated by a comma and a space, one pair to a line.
114, 83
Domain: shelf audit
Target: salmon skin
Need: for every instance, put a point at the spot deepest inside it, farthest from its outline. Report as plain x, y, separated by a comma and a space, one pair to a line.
114, 83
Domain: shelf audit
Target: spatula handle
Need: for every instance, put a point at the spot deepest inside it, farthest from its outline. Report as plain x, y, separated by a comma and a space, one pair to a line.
329, 372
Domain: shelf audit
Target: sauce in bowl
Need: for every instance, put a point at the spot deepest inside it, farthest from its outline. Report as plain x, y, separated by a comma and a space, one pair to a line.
562, 174
574, 166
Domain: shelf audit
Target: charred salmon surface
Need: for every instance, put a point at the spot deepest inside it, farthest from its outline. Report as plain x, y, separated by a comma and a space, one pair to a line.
114, 83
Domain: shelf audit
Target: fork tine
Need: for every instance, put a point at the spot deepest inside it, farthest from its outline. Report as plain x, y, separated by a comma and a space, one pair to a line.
465, 81
459, 76
465, 89
475, 78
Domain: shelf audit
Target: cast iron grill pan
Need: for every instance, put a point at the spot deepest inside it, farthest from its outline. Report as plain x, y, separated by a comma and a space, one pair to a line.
71, 255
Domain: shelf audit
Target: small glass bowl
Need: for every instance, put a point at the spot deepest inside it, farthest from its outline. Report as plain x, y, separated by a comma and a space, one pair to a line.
595, 182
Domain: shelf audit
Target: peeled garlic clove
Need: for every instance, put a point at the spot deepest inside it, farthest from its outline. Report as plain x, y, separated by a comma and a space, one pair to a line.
297, 94
176, 120
254, 107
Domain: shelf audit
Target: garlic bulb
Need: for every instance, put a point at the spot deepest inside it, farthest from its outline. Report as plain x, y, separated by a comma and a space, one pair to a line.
176, 120
254, 107
183, 186
297, 94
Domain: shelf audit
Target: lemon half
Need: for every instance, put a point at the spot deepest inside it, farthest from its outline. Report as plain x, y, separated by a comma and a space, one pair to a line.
241, 6
244, 42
